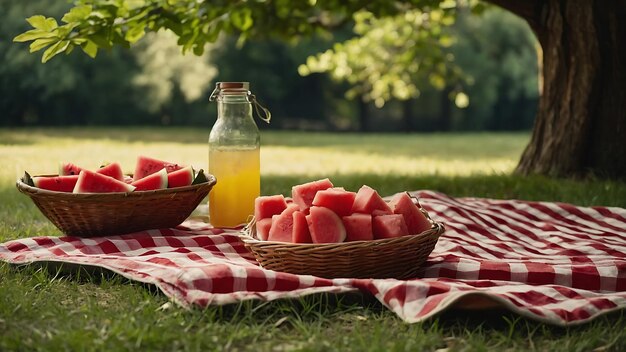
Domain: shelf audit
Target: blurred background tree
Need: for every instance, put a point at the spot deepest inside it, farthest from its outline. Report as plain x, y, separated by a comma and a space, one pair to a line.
153, 84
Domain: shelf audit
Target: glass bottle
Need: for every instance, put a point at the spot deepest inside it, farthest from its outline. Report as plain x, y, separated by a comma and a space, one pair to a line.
234, 155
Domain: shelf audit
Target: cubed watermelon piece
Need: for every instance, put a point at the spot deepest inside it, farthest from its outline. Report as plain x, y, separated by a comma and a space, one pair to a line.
268, 206
325, 226
91, 182
389, 226
263, 228
112, 170
157, 180
68, 169
303, 194
147, 166
358, 227
301, 233
282, 225
180, 178
56, 183
368, 200
339, 201
416, 221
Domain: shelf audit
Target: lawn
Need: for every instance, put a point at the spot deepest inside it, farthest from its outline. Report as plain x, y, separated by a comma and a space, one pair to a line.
42, 309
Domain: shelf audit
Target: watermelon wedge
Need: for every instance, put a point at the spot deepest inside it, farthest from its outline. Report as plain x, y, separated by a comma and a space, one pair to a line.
263, 228
67, 169
325, 226
146, 166
157, 180
303, 194
301, 233
358, 227
368, 200
389, 226
282, 225
56, 183
339, 201
91, 182
112, 170
416, 221
268, 206
180, 178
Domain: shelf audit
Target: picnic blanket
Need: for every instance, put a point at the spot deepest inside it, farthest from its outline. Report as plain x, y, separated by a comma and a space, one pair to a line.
553, 262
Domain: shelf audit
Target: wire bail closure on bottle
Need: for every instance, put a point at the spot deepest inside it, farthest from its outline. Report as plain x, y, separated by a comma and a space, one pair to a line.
258, 108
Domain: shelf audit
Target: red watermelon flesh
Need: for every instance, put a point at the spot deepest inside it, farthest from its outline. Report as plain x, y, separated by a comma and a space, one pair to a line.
336, 200
91, 182
267, 206
112, 170
358, 227
157, 180
301, 233
303, 194
368, 200
416, 221
282, 225
325, 226
56, 183
180, 178
263, 228
147, 166
389, 226
67, 169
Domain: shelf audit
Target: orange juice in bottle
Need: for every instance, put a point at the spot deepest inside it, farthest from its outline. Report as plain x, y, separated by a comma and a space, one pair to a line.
234, 156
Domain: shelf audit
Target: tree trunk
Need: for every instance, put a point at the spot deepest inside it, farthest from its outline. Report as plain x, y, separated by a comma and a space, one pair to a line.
580, 126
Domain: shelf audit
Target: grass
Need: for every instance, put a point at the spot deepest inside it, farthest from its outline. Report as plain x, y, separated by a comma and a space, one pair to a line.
49, 309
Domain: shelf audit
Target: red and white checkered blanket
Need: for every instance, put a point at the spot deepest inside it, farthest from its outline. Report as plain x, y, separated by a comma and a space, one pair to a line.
552, 262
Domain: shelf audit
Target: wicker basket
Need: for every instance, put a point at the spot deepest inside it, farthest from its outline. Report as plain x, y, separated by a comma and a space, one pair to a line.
99, 214
400, 257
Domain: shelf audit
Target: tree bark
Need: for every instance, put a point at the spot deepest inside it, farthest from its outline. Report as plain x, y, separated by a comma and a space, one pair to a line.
580, 126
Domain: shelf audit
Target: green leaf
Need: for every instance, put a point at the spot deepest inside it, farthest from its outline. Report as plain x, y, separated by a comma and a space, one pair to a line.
242, 19
77, 14
54, 50
200, 178
90, 48
43, 23
27, 179
41, 43
32, 35
135, 33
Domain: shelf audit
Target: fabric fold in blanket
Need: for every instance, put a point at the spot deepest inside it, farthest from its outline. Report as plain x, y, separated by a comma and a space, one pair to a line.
552, 262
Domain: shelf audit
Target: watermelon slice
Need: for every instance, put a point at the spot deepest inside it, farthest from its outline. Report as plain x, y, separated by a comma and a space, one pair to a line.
303, 194
389, 226
180, 178
56, 183
112, 170
263, 228
147, 166
282, 225
67, 169
301, 233
367, 201
267, 206
157, 180
339, 201
416, 221
91, 182
358, 227
325, 226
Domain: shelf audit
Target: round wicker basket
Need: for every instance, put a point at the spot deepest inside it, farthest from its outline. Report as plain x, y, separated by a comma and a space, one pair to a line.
399, 258
101, 214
